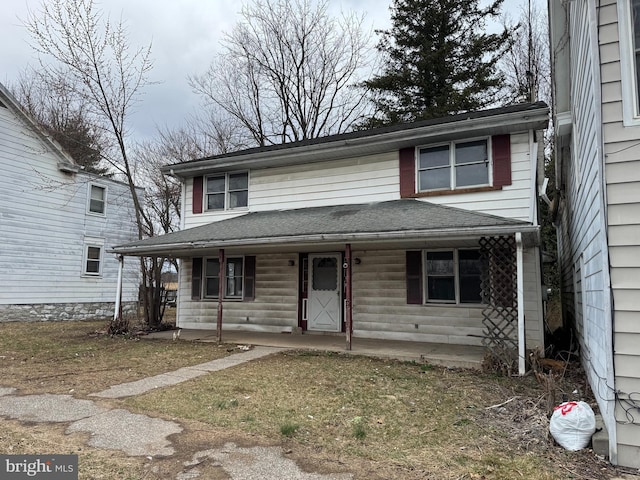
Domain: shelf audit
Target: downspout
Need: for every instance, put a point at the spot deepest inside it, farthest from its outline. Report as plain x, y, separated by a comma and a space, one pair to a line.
348, 293
117, 314
520, 286
220, 292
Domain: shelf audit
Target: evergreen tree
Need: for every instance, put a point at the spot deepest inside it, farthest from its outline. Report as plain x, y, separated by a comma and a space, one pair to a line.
80, 140
438, 60
68, 122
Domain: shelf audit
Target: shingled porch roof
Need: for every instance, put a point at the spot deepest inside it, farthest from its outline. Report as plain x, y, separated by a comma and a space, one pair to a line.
368, 223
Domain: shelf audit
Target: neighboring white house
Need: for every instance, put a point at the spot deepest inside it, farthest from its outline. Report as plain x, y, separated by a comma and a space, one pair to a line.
597, 121
387, 233
56, 226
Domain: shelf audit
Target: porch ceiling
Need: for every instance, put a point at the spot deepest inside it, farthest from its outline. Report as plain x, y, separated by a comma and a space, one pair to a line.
407, 223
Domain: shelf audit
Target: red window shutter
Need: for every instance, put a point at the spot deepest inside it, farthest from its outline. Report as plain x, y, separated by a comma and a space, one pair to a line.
407, 172
414, 277
249, 278
501, 147
197, 195
196, 279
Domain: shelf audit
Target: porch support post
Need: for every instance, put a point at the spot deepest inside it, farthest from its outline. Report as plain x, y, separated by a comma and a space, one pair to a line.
117, 314
348, 293
520, 285
220, 292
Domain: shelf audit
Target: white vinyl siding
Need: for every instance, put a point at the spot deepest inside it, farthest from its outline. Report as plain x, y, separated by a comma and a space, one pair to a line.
44, 221
373, 178
380, 307
275, 308
381, 310
627, 50
621, 127
584, 256
600, 220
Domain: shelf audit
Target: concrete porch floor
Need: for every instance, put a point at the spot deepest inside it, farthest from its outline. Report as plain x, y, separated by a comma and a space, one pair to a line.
457, 356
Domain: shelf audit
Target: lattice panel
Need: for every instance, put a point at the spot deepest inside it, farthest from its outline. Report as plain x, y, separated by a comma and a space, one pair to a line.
500, 296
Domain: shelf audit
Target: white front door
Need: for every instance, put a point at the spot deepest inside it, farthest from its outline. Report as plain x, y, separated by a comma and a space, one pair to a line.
325, 289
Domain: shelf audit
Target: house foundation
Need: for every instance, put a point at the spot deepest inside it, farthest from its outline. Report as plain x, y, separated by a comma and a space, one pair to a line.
62, 311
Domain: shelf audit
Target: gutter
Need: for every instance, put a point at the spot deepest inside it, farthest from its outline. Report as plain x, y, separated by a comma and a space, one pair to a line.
452, 234
528, 119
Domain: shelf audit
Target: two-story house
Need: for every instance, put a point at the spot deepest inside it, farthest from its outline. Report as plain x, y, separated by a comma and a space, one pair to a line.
422, 232
56, 226
595, 47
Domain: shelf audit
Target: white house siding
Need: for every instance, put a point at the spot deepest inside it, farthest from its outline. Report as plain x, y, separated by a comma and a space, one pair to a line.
275, 308
622, 174
43, 230
372, 178
354, 180
582, 222
380, 307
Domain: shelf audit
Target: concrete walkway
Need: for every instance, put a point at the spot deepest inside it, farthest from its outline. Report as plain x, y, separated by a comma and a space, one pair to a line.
142, 435
183, 374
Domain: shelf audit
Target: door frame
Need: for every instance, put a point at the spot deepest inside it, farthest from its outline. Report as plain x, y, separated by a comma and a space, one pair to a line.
306, 272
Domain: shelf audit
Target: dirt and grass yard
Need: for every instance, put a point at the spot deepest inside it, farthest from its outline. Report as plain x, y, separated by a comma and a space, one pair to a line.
378, 419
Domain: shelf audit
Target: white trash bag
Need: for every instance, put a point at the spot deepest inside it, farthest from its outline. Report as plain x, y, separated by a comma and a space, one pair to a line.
572, 425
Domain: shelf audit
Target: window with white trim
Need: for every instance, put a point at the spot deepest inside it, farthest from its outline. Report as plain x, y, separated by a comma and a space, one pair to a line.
93, 260
234, 277
97, 199
629, 36
454, 165
227, 191
453, 276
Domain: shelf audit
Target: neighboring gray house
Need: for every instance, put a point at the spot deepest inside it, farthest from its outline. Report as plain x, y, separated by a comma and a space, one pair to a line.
56, 226
596, 108
386, 233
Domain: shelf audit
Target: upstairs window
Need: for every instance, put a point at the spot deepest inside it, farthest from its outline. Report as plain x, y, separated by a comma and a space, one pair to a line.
227, 191
97, 199
635, 16
454, 165
629, 36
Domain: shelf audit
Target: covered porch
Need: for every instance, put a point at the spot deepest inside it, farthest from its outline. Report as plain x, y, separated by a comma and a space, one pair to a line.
388, 273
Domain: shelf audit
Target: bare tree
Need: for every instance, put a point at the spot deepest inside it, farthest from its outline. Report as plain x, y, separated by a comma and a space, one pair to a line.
79, 47
526, 65
286, 72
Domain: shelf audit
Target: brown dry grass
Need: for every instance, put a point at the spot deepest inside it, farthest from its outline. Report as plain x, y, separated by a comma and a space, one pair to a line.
394, 420
78, 358
378, 419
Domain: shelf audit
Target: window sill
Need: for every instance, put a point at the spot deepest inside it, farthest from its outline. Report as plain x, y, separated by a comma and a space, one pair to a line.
227, 210
211, 300
434, 193
435, 303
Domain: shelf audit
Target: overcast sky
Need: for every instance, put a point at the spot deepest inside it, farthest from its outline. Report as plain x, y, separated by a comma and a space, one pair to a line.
185, 35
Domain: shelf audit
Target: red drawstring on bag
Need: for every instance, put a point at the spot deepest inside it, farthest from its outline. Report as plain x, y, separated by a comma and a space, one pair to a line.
566, 407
